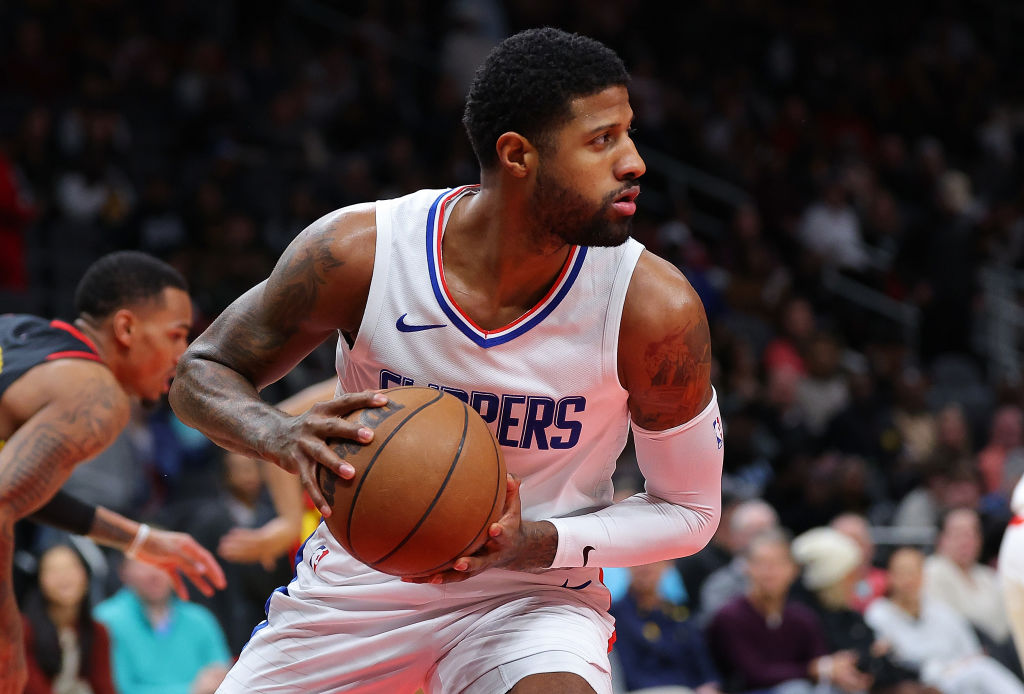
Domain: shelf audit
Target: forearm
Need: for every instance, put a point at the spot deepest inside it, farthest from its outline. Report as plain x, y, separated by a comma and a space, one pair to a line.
637, 530
11, 646
112, 529
66, 513
676, 517
216, 400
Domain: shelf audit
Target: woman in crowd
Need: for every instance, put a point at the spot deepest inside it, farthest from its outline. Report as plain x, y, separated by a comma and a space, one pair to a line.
66, 650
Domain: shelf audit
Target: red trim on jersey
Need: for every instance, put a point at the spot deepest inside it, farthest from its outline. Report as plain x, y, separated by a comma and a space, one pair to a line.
611, 640
439, 232
74, 354
1017, 520
76, 332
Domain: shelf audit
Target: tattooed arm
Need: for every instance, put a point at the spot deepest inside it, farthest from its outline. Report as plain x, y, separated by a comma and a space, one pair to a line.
318, 288
82, 412
664, 347
665, 364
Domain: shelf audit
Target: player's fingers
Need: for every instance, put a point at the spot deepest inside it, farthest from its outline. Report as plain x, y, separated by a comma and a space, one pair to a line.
319, 452
199, 581
203, 564
312, 487
349, 402
179, 585
513, 506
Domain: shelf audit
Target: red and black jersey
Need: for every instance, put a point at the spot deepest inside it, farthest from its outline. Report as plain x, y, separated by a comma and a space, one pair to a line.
27, 341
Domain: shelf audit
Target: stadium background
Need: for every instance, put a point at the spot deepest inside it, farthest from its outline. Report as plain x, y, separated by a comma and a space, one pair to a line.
841, 182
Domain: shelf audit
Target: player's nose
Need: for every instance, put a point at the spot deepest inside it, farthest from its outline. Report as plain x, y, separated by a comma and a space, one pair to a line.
631, 165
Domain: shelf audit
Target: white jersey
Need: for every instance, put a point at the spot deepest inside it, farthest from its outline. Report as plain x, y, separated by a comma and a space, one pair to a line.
547, 384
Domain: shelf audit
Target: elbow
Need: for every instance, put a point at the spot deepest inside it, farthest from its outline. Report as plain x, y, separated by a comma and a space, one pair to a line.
710, 520
701, 525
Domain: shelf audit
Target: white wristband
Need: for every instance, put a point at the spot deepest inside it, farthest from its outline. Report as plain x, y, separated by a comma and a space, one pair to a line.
140, 538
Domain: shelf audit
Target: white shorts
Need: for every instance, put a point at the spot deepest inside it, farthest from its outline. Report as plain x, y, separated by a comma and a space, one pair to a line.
341, 627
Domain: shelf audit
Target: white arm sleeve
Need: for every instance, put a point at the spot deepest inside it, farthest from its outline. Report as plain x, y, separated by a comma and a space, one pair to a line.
676, 516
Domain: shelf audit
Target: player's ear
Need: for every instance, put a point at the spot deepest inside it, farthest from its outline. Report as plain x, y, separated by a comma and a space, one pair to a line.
124, 324
515, 154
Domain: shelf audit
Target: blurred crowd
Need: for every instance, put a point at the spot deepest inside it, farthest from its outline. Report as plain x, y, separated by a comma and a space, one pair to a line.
841, 184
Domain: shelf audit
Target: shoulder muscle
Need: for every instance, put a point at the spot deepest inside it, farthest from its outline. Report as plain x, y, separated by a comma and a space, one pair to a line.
664, 346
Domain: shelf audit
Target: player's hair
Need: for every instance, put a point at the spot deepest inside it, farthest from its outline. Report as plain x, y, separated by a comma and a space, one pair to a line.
526, 83
124, 278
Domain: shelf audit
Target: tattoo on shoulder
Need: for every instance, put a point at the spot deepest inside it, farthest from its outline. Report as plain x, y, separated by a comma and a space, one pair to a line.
678, 367
301, 277
296, 285
43, 458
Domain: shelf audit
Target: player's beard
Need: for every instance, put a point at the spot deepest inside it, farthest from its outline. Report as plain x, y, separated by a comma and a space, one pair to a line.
566, 215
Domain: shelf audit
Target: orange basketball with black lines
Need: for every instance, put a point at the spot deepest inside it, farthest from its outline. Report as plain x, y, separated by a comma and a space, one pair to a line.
425, 489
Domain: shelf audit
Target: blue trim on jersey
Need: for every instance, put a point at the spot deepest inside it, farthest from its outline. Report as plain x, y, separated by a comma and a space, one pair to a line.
262, 625
460, 322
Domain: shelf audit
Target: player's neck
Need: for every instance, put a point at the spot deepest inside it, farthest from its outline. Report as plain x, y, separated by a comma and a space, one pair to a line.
101, 338
94, 331
489, 250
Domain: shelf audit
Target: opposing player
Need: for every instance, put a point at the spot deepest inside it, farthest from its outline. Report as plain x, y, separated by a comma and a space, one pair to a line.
65, 393
525, 297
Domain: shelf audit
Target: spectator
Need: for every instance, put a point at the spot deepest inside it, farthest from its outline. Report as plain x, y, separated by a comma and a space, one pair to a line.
256, 560
914, 421
831, 564
66, 650
657, 643
160, 644
748, 520
830, 229
796, 327
824, 392
870, 580
1005, 442
946, 485
928, 635
696, 568
763, 641
954, 576
16, 211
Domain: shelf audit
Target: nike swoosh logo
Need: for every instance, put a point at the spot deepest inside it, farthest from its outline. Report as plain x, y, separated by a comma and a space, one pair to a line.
565, 584
586, 554
406, 328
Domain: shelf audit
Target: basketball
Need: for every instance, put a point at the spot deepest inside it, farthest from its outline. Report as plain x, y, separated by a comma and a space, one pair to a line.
426, 488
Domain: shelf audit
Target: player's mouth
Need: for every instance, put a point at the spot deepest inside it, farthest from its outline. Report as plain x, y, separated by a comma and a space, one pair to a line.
625, 204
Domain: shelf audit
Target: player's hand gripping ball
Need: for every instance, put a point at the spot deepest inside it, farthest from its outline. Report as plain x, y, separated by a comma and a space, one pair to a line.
426, 489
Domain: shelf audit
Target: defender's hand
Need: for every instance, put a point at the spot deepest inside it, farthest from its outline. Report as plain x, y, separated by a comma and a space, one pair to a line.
302, 444
512, 544
178, 553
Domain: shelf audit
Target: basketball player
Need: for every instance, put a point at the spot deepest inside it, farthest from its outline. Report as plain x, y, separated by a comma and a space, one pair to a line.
65, 394
1011, 568
525, 297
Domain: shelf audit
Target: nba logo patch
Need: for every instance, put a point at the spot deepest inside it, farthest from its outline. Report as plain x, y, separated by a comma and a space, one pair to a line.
320, 553
719, 436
